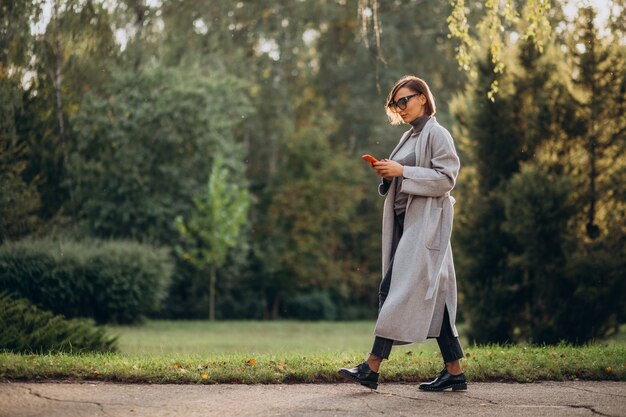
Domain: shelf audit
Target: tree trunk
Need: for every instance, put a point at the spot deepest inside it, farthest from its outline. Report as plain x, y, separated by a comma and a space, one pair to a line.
57, 81
275, 307
140, 17
212, 293
592, 229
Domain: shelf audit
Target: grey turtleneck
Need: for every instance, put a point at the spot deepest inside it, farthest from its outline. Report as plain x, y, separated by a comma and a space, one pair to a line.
406, 156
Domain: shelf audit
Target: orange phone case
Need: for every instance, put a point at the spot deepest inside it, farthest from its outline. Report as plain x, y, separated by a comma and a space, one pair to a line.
369, 158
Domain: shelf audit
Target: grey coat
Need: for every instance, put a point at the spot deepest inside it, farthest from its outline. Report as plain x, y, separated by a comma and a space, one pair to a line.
423, 280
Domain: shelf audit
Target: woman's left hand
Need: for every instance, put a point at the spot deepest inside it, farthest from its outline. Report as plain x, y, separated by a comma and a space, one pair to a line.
388, 168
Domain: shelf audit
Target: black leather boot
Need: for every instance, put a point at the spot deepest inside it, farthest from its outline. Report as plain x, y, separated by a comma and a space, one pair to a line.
361, 374
445, 380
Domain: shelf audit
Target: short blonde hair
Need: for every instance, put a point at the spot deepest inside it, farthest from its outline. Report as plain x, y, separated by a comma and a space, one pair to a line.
416, 85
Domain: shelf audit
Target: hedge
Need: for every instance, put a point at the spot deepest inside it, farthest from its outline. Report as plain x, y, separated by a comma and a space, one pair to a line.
109, 281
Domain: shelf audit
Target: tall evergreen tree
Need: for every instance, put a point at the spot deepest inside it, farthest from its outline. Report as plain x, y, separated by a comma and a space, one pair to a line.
528, 271
490, 149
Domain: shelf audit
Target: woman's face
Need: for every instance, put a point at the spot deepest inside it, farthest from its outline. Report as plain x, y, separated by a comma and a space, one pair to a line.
415, 106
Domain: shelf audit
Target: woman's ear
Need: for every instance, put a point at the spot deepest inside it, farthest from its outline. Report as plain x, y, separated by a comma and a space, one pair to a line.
422, 99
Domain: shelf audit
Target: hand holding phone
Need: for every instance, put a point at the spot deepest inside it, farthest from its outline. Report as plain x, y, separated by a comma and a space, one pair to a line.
369, 158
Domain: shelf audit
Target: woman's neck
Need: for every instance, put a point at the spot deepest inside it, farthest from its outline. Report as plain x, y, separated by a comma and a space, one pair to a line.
420, 121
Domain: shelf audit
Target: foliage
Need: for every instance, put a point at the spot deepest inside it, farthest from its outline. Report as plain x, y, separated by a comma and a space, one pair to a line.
215, 225
116, 110
308, 227
142, 148
19, 200
535, 161
109, 281
314, 305
599, 129
498, 15
25, 328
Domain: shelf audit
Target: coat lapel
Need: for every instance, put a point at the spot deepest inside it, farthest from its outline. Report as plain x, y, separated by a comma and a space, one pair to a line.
421, 149
424, 133
403, 139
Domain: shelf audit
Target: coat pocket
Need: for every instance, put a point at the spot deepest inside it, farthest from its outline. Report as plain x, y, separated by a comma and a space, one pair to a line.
433, 240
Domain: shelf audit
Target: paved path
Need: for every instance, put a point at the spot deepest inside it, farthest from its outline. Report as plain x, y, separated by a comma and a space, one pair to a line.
574, 398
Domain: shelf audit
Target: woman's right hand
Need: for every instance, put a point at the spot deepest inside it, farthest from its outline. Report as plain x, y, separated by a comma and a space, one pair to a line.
388, 178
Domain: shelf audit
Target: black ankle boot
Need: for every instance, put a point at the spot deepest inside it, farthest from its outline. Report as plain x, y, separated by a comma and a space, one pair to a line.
361, 374
445, 380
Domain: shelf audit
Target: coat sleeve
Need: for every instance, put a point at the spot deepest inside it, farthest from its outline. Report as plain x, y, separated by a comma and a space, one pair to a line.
440, 179
383, 187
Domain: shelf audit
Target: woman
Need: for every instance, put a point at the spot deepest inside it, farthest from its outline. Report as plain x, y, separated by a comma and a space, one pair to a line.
417, 296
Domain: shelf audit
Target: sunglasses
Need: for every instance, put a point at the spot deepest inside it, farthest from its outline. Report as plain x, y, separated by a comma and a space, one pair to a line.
401, 103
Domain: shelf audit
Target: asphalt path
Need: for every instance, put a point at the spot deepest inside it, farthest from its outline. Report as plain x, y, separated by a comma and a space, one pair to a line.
63, 399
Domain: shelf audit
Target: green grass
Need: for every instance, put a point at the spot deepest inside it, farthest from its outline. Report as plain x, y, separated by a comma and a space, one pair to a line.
287, 352
252, 337
487, 363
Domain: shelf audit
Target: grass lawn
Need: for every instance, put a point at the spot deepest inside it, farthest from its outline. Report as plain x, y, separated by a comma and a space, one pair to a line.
288, 351
253, 337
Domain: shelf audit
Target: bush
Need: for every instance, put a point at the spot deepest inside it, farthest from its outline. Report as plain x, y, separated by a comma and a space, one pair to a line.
24, 328
112, 281
316, 305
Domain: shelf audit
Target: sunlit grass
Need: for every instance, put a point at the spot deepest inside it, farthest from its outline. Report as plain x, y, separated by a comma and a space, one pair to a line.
274, 337
271, 337
289, 351
485, 363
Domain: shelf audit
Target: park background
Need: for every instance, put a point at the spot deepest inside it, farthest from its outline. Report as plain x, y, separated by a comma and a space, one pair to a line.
169, 161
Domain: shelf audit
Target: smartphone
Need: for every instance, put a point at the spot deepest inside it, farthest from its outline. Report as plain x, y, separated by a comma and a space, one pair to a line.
369, 158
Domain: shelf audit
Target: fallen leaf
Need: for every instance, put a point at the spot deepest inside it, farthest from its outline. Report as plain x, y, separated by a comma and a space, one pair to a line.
281, 366
251, 362
205, 376
176, 366
608, 369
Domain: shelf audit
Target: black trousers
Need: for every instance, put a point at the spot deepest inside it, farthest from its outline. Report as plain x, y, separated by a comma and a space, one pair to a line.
448, 343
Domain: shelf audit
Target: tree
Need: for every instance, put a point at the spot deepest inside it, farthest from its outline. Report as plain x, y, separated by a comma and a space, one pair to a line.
529, 270
19, 201
215, 225
142, 148
600, 100
71, 56
311, 236
495, 17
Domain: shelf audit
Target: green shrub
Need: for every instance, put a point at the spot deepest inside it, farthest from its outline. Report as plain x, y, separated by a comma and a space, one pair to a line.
109, 281
316, 305
25, 328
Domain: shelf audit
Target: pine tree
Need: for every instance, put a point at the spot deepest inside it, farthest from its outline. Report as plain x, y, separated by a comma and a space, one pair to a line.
600, 100
490, 151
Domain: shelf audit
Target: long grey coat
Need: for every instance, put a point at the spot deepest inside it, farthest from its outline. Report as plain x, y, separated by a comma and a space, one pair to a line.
423, 281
